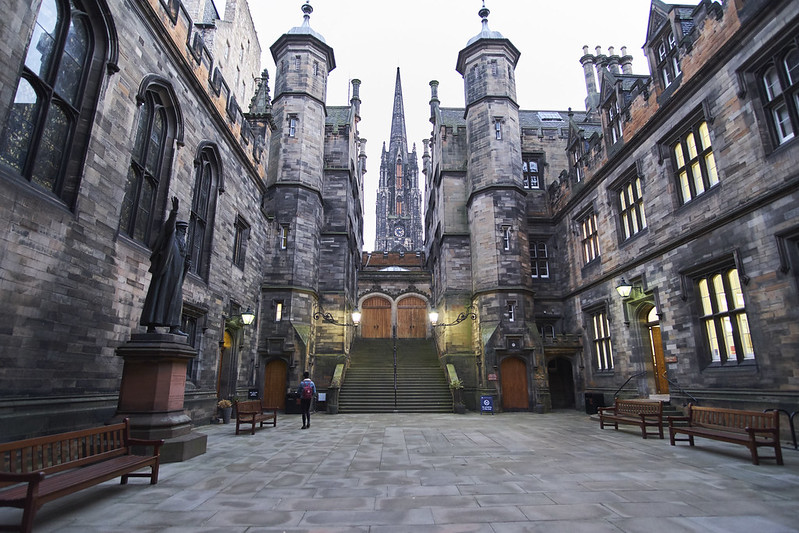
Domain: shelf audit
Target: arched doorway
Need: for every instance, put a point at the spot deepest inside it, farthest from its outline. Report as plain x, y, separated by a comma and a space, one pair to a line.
376, 318
561, 383
275, 383
411, 318
652, 323
514, 385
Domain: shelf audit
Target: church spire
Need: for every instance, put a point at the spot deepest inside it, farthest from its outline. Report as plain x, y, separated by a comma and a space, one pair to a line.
398, 137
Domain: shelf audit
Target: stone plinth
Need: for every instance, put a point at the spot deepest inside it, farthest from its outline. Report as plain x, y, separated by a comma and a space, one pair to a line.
152, 393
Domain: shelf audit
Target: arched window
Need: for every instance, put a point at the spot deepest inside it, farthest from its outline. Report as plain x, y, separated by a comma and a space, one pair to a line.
148, 174
45, 138
203, 209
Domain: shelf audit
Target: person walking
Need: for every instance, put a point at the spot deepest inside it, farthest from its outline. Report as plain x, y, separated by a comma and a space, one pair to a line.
306, 392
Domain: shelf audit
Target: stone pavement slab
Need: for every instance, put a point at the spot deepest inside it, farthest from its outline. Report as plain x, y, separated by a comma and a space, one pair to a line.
420, 473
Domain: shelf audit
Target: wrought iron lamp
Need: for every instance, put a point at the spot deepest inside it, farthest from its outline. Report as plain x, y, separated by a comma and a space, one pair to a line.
469, 313
328, 318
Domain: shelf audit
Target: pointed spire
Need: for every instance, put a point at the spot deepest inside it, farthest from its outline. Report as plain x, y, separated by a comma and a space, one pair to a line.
398, 118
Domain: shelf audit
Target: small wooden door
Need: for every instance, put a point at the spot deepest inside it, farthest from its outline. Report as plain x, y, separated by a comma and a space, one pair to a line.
376, 318
411, 318
514, 384
275, 384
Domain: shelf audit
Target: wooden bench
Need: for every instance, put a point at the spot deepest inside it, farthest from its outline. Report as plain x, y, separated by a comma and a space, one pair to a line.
38, 470
251, 412
642, 413
752, 429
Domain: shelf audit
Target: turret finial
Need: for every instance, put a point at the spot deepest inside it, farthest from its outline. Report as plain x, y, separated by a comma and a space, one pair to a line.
483, 13
307, 9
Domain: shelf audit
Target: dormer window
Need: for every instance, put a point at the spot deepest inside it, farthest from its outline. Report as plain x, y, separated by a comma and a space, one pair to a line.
668, 59
614, 117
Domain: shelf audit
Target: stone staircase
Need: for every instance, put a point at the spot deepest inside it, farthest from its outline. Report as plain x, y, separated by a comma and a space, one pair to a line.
368, 385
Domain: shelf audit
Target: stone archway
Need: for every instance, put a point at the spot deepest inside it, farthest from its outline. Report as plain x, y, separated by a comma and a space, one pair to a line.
561, 383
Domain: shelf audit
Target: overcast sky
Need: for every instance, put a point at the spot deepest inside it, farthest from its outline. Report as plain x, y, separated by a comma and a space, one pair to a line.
371, 38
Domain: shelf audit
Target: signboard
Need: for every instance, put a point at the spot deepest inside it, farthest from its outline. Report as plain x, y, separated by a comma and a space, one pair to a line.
252, 394
492, 377
486, 404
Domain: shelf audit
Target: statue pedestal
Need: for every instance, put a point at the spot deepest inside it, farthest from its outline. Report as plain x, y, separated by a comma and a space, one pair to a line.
152, 393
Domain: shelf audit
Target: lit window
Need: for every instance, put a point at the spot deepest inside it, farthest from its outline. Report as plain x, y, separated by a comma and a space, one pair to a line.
695, 163
284, 237
278, 310
589, 237
724, 320
603, 351
631, 207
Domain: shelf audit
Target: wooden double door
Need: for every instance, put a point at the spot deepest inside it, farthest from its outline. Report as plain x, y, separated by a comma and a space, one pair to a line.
376, 319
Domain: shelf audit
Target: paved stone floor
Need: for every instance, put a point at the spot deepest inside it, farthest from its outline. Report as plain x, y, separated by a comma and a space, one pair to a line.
444, 473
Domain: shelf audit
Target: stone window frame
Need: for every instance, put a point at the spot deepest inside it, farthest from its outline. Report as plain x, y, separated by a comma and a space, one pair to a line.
527, 175
241, 237
511, 307
588, 234
597, 326
729, 317
506, 237
293, 121
628, 197
678, 146
207, 184
157, 101
539, 259
283, 236
68, 153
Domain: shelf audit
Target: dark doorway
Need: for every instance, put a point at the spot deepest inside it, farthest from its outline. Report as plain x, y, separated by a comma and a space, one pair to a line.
561, 383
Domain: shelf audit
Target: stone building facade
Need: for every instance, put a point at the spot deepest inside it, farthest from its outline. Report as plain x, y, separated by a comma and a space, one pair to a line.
676, 189
98, 132
677, 186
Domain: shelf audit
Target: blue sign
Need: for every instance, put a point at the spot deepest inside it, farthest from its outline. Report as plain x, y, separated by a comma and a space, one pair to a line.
486, 404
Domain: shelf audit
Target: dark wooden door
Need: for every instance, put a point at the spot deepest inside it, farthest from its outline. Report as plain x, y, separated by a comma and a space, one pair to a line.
411, 318
376, 318
513, 373
275, 384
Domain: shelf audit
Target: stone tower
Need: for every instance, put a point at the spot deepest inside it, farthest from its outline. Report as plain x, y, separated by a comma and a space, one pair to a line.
295, 171
399, 201
496, 205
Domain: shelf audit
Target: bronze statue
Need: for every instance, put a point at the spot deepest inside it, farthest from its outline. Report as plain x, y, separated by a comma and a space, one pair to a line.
169, 263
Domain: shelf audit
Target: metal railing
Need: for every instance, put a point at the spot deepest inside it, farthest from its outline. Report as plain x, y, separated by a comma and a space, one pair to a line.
682, 391
790, 423
637, 375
